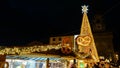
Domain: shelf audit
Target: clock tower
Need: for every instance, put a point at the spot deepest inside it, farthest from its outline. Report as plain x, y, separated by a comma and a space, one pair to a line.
98, 23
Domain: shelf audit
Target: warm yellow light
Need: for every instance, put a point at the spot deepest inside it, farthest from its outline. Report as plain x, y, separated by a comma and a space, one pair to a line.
27, 50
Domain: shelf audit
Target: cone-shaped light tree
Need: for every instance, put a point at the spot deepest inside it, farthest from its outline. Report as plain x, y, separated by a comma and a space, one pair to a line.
85, 40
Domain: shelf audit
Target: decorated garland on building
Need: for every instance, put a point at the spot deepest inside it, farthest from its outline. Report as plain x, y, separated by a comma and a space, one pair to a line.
28, 50
83, 55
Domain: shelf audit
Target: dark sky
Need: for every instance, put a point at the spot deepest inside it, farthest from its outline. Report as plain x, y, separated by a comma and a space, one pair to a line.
23, 21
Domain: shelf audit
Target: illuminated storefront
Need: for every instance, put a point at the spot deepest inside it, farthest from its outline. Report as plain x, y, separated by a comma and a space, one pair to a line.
34, 62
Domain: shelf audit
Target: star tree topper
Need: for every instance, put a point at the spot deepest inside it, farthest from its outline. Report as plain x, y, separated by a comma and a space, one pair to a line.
84, 8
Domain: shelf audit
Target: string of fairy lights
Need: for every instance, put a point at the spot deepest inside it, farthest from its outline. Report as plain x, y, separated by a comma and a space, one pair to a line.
27, 50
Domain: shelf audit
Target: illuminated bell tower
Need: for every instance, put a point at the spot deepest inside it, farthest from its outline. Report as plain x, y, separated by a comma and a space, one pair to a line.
85, 41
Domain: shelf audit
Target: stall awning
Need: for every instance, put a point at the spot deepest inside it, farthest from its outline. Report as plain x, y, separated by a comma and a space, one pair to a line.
31, 58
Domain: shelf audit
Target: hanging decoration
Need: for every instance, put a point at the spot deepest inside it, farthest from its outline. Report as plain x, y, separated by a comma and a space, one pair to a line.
83, 40
66, 45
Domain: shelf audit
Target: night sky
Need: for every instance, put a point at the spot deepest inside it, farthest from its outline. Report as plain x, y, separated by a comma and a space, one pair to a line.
24, 21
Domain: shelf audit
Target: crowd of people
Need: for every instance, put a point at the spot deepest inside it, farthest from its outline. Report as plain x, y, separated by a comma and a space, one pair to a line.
99, 65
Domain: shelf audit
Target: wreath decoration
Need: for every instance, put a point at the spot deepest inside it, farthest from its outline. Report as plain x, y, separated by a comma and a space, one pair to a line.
83, 55
66, 45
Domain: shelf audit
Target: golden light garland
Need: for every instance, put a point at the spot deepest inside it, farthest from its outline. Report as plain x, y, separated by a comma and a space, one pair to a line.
26, 50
